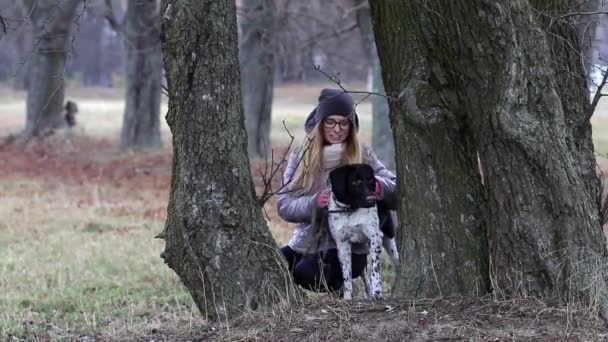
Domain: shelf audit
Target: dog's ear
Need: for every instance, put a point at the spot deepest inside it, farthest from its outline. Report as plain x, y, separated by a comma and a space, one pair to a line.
338, 179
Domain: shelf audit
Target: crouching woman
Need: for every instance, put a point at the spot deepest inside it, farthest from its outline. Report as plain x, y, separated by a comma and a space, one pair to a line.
331, 141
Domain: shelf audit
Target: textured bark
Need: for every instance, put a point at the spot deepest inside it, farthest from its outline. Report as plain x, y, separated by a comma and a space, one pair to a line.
492, 64
570, 79
256, 55
141, 120
442, 241
216, 238
52, 23
382, 135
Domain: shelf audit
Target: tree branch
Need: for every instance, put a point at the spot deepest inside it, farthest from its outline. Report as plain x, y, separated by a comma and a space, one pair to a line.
110, 17
3, 25
596, 98
336, 80
275, 167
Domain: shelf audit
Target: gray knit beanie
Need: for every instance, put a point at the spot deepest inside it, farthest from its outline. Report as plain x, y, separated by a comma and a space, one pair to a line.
332, 102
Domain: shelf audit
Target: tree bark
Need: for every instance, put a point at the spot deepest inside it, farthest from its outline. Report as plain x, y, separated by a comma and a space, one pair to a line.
216, 238
256, 56
441, 238
141, 120
382, 135
52, 23
492, 64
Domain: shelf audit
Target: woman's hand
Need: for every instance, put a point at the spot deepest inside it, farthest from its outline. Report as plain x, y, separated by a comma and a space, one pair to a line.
378, 190
323, 198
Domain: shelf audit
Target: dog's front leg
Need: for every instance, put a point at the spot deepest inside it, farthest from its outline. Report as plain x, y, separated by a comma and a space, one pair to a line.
376, 275
344, 255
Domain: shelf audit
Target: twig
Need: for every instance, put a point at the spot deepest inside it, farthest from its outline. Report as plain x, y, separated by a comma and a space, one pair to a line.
567, 15
596, 98
3, 25
110, 17
273, 168
336, 80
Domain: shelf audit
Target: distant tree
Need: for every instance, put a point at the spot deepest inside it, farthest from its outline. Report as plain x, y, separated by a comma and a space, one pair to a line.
492, 81
216, 238
52, 25
382, 134
256, 56
15, 41
140, 31
317, 32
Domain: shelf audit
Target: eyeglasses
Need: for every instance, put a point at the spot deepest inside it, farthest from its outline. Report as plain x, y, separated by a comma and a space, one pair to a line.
331, 123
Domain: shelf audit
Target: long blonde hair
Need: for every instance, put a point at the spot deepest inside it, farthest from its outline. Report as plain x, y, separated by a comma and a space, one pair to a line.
311, 158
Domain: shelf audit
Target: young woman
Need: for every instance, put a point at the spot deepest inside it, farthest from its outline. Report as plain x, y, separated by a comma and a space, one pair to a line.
331, 141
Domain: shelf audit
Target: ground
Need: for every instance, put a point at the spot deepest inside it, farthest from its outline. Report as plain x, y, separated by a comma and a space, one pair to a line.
79, 260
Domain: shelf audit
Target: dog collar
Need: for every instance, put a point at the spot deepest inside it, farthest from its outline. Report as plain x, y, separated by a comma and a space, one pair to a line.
342, 208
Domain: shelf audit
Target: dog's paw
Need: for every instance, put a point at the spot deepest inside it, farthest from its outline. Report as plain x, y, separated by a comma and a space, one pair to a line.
377, 296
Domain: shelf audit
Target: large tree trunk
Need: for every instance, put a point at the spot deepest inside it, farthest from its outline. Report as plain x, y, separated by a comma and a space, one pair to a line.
256, 55
442, 239
382, 135
492, 68
141, 120
52, 23
216, 238
570, 81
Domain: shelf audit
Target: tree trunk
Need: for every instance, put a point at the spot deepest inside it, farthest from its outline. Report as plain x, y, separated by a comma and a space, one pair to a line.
256, 56
52, 25
216, 238
382, 135
141, 120
492, 67
441, 238
571, 79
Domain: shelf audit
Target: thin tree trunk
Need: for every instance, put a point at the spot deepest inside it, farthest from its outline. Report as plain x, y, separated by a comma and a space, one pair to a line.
382, 135
216, 238
256, 56
442, 238
141, 120
52, 23
492, 67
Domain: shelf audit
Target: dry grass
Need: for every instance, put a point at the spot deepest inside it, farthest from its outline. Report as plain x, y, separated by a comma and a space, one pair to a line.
78, 259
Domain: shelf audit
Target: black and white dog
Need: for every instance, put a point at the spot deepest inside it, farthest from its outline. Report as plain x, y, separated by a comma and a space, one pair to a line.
355, 216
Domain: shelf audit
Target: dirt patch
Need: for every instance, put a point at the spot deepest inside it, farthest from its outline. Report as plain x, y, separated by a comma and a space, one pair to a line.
450, 319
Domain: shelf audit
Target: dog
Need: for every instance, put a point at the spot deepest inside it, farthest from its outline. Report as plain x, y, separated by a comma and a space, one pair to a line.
354, 215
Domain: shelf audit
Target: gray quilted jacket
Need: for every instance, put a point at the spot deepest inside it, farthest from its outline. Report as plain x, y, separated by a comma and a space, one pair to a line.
298, 208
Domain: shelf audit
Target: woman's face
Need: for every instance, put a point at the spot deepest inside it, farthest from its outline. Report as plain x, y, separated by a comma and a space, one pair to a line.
335, 129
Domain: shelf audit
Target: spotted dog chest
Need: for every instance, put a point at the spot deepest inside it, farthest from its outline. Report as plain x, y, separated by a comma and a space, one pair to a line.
356, 226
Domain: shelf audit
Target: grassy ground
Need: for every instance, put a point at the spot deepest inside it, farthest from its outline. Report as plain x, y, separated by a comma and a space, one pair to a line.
78, 258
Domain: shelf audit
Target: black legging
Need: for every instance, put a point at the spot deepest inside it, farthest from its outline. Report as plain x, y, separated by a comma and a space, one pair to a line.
306, 269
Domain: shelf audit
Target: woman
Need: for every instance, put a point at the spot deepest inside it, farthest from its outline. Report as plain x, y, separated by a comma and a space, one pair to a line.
331, 141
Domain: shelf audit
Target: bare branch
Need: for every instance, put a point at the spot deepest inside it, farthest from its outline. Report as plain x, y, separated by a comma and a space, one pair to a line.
110, 17
3, 25
596, 98
336, 80
276, 168
567, 15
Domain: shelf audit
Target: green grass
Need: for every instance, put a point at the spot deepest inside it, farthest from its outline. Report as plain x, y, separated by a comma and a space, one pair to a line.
67, 268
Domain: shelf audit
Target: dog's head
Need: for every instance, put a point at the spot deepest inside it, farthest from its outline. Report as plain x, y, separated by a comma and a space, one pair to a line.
354, 185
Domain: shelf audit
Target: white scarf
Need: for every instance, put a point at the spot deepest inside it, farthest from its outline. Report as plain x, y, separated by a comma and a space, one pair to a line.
332, 156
